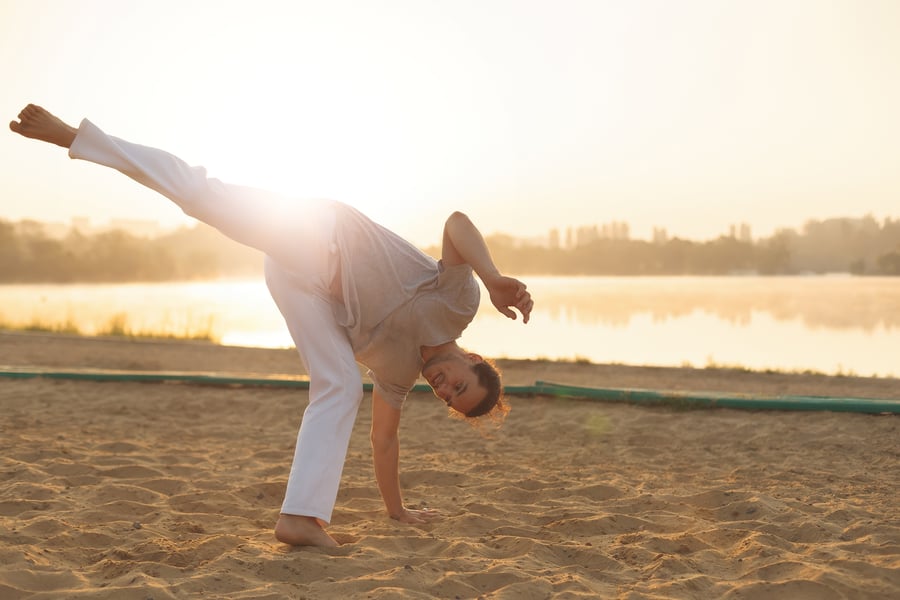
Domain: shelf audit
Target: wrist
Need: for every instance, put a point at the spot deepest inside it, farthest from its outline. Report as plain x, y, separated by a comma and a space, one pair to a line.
395, 510
490, 276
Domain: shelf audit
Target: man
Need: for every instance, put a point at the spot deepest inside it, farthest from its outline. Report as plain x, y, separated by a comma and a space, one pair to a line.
350, 291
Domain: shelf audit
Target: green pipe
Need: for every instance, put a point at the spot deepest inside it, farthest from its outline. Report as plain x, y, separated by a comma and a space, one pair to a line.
201, 379
540, 388
156, 378
707, 400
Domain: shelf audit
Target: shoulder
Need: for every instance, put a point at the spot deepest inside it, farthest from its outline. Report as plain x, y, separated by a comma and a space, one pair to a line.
458, 279
451, 272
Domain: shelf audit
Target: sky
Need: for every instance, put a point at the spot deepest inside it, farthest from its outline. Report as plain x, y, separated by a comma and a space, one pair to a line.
527, 115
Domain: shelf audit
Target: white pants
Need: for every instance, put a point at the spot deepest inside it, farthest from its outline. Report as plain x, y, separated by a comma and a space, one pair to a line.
297, 239
335, 393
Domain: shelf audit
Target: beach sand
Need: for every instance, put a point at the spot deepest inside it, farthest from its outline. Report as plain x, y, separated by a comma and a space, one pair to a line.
126, 490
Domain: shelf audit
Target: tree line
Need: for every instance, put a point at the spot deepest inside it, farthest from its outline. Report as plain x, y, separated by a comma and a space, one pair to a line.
860, 246
29, 255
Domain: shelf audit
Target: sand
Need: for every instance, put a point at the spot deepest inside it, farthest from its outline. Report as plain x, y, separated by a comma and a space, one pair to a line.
138, 491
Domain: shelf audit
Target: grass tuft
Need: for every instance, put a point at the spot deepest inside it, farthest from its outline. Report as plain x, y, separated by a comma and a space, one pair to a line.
117, 326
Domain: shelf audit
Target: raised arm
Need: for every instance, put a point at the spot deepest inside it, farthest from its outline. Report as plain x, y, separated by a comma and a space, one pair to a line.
464, 244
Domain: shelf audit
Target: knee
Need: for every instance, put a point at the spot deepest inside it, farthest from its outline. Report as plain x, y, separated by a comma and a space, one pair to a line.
341, 383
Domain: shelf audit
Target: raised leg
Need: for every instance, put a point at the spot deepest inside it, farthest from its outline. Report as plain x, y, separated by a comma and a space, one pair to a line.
278, 226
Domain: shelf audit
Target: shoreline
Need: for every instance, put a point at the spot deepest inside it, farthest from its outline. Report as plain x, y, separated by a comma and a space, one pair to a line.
60, 351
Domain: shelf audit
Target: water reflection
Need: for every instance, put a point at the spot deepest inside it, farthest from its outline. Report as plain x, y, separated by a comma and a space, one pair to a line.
829, 324
818, 302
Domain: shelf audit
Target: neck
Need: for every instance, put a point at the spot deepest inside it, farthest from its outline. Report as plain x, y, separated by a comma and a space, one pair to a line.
428, 352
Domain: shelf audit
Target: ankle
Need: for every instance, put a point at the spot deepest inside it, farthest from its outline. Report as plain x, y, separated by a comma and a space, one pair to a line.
299, 530
66, 137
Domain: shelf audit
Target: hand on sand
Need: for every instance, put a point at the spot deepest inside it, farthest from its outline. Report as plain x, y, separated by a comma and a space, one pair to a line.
39, 124
416, 516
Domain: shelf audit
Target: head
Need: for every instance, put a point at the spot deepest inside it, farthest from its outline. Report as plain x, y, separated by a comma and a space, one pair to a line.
467, 383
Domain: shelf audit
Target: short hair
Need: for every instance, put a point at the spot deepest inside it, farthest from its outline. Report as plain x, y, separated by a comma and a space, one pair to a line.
493, 402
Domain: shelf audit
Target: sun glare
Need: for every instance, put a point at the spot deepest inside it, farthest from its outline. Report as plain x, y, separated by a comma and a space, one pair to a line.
323, 150
685, 118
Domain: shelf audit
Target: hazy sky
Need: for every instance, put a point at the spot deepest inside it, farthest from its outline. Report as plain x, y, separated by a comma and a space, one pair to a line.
527, 115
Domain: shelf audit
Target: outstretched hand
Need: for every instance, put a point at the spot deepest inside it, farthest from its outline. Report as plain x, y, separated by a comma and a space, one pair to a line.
508, 293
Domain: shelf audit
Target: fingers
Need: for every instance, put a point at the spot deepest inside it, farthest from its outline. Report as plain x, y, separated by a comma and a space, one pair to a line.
412, 520
418, 517
507, 312
526, 310
525, 304
512, 293
503, 307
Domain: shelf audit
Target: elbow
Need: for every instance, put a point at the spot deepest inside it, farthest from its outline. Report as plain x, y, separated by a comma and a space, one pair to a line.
456, 222
457, 216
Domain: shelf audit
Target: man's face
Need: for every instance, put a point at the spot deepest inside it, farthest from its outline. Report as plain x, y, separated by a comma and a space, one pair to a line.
451, 377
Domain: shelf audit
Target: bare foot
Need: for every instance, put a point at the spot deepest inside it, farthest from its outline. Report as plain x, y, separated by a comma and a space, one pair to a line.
297, 530
39, 124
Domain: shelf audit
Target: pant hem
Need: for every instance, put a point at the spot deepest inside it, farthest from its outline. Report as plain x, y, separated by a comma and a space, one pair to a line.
300, 512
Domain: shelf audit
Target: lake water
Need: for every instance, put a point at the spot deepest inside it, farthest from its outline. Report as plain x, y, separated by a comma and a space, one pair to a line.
838, 324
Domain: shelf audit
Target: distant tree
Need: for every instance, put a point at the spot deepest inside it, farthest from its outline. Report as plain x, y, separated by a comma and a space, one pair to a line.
676, 256
10, 253
889, 264
773, 256
863, 246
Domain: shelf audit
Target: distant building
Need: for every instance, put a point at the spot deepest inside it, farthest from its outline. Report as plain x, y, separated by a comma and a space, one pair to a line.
616, 230
740, 232
523, 242
660, 235
586, 234
553, 239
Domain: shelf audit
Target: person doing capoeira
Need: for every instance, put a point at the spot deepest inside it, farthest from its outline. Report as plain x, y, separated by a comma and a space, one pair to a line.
350, 291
